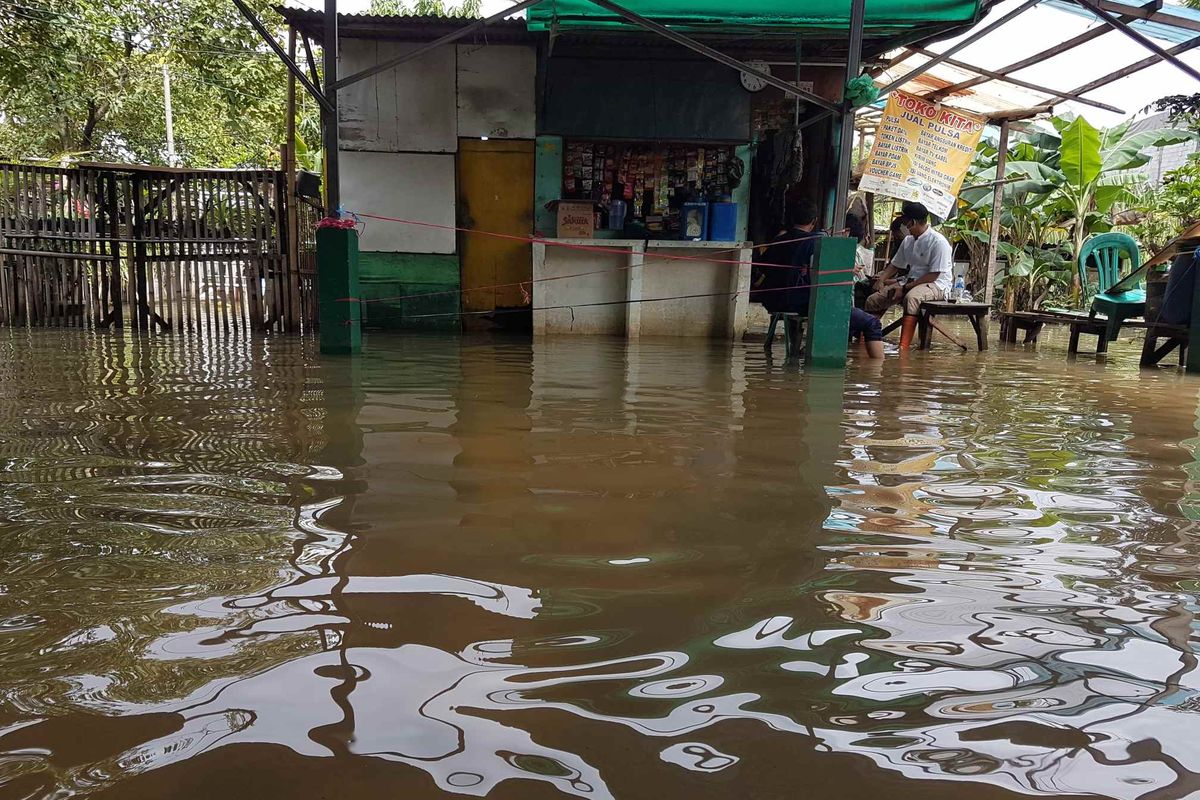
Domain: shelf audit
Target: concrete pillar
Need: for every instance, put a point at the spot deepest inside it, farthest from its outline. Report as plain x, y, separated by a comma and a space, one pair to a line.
829, 305
337, 290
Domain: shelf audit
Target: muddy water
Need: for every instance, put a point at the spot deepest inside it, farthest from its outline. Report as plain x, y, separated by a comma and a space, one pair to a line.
576, 568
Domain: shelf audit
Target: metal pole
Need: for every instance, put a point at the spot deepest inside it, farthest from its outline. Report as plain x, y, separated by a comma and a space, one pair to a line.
329, 116
799, 43
997, 204
845, 146
467, 30
167, 111
274, 45
1095, 8
969, 40
715, 55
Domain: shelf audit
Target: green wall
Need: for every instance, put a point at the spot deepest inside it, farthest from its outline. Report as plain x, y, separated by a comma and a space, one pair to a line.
385, 278
547, 183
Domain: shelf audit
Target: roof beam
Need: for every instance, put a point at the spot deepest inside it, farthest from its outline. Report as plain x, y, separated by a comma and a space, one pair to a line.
965, 42
715, 55
283, 56
991, 75
453, 36
1045, 55
1136, 66
1150, 12
1094, 6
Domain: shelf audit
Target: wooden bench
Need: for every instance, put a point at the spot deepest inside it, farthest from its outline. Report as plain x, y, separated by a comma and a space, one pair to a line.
1175, 335
1098, 327
1032, 323
976, 312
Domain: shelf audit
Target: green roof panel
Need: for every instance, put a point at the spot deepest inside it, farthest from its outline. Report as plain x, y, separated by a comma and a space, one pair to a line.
882, 15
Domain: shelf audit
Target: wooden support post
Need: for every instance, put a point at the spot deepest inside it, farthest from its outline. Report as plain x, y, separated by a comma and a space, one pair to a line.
829, 304
337, 284
292, 314
141, 300
1193, 347
997, 206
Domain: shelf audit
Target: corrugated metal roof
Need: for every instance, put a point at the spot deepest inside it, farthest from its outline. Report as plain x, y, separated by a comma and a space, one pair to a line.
1158, 30
411, 27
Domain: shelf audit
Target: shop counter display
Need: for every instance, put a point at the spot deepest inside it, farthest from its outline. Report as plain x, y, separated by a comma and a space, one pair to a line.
635, 287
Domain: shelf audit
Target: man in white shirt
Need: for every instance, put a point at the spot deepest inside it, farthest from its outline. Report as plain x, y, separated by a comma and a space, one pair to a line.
928, 257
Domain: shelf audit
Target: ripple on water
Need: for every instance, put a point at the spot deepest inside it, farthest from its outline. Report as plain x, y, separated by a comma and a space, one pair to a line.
468, 566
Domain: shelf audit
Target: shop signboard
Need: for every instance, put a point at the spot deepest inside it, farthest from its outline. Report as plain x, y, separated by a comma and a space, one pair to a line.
922, 152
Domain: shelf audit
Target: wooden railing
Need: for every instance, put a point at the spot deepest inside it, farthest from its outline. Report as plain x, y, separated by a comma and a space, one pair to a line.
154, 249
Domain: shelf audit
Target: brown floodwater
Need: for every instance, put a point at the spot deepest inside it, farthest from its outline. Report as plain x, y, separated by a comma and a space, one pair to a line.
581, 568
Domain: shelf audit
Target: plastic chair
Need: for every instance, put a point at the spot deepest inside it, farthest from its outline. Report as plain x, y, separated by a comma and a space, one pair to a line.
793, 326
1108, 250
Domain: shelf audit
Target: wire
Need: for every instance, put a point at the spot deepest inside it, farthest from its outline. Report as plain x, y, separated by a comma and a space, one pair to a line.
607, 250
573, 306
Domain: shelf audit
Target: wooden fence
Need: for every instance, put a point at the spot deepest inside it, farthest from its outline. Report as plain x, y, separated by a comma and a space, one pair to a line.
155, 249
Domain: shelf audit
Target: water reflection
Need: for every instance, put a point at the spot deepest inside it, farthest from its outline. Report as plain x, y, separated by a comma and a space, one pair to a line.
580, 568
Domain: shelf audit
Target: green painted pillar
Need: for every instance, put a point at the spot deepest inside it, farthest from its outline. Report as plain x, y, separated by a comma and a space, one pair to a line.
337, 291
547, 183
828, 304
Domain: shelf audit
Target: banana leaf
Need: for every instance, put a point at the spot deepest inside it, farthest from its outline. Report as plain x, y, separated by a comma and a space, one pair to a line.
1081, 162
1127, 152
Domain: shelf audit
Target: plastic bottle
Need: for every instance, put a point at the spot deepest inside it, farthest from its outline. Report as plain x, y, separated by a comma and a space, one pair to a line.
616, 215
960, 290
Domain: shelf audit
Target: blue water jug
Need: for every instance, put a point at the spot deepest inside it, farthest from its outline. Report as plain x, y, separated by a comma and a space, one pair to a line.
722, 222
616, 215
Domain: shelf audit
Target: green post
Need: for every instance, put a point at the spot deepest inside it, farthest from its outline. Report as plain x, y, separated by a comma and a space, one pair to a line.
829, 304
547, 183
337, 290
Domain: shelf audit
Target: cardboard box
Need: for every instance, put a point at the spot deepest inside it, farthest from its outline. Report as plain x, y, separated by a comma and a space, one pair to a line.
576, 219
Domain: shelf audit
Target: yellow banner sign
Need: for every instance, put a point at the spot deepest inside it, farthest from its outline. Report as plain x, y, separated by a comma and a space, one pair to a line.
922, 152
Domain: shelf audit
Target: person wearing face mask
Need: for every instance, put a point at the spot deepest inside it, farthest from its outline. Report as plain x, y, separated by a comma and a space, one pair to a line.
928, 257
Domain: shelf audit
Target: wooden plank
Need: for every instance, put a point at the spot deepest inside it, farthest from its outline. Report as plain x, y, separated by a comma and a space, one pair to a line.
1065, 95
997, 206
1136, 66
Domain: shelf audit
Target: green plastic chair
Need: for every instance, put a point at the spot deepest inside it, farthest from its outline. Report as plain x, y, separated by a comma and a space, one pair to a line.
1108, 250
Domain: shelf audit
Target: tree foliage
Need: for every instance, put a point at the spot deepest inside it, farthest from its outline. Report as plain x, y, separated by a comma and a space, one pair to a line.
426, 8
1061, 187
85, 79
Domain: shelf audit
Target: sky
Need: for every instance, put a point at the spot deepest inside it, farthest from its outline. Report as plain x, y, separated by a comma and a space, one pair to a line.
1031, 32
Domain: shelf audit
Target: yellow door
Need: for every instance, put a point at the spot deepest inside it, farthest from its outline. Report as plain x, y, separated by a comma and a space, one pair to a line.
495, 194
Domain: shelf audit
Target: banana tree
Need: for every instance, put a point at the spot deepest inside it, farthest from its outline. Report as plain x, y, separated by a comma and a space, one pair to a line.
1034, 272
1087, 170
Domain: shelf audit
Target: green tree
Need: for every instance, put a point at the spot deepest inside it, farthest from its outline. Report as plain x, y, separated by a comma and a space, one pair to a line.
86, 79
426, 8
1085, 170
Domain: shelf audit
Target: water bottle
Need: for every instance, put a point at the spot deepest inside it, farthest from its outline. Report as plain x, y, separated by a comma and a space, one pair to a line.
960, 290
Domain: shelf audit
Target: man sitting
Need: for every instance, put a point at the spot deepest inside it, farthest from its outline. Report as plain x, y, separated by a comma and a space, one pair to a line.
781, 279
927, 255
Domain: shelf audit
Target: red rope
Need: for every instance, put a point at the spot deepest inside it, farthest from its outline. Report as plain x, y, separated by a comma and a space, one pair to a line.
569, 246
617, 302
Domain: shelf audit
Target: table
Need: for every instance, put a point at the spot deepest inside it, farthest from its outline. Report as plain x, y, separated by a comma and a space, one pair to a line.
976, 312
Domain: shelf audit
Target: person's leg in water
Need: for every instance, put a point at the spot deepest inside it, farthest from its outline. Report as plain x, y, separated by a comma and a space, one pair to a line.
870, 329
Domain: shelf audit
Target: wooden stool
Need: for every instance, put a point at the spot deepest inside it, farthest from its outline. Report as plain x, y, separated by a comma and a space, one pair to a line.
793, 328
1101, 329
1013, 321
1176, 336
1089, 327
976, 312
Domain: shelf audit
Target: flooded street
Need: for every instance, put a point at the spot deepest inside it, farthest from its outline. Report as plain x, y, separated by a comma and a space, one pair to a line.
577, 567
